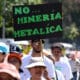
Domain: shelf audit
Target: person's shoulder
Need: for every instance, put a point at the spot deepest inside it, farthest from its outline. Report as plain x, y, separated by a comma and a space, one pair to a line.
61, 62
47, 59
26, 58
28, 55
66, 64
64, 58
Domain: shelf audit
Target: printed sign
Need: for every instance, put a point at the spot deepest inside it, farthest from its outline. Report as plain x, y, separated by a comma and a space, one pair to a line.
37, 21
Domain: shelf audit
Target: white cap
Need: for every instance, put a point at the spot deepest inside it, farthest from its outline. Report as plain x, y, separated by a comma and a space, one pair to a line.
22, 42
35, 62
9, 69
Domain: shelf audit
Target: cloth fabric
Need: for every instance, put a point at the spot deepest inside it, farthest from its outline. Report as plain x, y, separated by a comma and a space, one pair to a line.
59, 75
30, 78
74, 76
64, 68
75, 66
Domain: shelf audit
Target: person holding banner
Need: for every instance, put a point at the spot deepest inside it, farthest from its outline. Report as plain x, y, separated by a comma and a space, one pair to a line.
37, 51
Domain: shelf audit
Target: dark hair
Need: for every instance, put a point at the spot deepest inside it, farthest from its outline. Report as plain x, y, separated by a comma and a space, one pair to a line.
3, 53
36, 40
20, 70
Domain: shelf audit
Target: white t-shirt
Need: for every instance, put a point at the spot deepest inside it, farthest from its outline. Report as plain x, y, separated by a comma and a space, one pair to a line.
64, 68
47, 62
75, 65
59, 75
41, 78
64, 58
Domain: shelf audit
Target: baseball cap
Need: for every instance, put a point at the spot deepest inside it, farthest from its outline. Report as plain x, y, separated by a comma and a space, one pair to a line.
4, 48
57, 45
15, 48
35, 62
9, 69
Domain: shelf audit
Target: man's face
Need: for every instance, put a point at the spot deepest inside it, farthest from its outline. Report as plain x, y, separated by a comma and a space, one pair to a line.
73, 56
37, 46
5, 76
36, 71
56, 52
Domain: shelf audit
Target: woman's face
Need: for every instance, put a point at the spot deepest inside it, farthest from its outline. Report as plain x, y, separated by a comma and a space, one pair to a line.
15, 62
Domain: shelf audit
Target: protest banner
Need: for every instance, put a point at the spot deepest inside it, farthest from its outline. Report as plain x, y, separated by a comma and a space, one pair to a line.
37, 21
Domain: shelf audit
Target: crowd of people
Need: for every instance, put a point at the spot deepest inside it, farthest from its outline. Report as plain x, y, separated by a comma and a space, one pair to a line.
37, 65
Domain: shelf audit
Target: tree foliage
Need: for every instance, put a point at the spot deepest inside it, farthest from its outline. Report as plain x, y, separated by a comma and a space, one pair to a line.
71, 20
